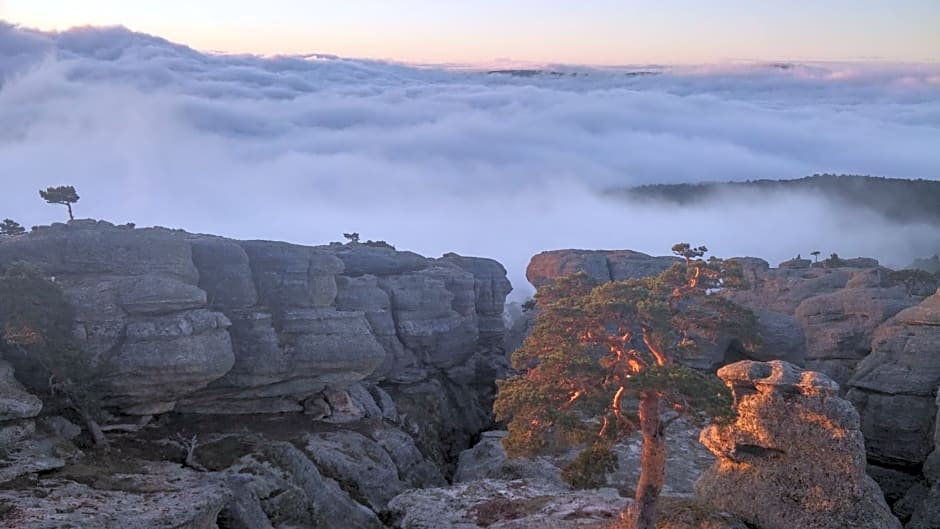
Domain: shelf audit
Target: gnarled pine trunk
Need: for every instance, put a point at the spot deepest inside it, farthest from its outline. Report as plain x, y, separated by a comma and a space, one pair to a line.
653, 464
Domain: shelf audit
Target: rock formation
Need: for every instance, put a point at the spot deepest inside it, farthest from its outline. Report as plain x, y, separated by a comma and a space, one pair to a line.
357, 372
201, 324
794, 456
868, 328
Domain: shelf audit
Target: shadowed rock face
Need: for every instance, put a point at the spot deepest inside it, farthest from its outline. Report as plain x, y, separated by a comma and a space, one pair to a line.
205, 324
901, 373
794, 457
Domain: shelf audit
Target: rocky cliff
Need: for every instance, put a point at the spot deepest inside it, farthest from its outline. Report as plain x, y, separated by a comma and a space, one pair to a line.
871, 329
202, 324
313, 383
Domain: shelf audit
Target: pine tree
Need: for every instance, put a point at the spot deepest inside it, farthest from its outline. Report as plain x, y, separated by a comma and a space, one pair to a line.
64, 195
599, 365
11, 227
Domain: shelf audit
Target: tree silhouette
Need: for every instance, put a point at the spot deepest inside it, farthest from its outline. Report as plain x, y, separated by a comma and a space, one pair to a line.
595, 349
64, 195
11, 227
815, 254
352, 238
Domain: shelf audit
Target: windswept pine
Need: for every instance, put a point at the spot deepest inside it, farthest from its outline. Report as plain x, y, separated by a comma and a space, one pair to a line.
600, 364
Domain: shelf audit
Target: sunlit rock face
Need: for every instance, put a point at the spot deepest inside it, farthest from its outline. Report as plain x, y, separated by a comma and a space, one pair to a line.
794, 457
601, 265
203, 324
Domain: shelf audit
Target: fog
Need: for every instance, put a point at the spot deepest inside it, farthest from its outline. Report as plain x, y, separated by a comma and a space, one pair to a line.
435, 159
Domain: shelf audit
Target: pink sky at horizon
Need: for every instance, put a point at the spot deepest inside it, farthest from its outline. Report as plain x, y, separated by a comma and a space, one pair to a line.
598, 32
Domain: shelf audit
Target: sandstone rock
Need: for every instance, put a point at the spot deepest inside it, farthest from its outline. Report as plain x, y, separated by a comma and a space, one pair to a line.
782, 290
794, 457
601, 265
287, 275
490, 287
158, 295
363, 294
15, 401
166, 358
839, 326
360, 259
86, 249
224, 273
783, 338
275, 371
427, 319
895, 386
795, 263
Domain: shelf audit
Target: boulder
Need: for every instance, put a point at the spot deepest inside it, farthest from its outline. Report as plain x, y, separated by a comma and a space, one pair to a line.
793, 457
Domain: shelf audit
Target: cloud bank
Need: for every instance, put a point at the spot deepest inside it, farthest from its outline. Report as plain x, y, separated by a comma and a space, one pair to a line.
303, 148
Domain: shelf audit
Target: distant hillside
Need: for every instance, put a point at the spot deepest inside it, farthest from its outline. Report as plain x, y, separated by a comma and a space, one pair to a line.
898, 199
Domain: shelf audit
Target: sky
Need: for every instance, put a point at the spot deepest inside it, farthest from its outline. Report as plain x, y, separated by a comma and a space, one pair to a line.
541, 31
435, 160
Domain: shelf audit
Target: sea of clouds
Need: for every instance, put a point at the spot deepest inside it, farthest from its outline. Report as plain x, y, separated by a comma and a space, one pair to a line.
437, 159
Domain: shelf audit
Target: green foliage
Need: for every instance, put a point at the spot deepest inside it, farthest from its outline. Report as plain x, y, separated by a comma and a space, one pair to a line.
594, 348
11, 227
589, 469
64, 195
351, 238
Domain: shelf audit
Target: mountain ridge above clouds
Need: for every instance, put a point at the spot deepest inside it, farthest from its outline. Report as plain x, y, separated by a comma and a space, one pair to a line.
305, 148
902, 200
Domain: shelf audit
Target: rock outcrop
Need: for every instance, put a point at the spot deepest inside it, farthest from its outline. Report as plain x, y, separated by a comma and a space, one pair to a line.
865, 326
794, 457
601, 265
362, 372
901, 373
202, 324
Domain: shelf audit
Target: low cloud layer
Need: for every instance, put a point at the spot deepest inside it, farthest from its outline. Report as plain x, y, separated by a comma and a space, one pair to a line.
437, 160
